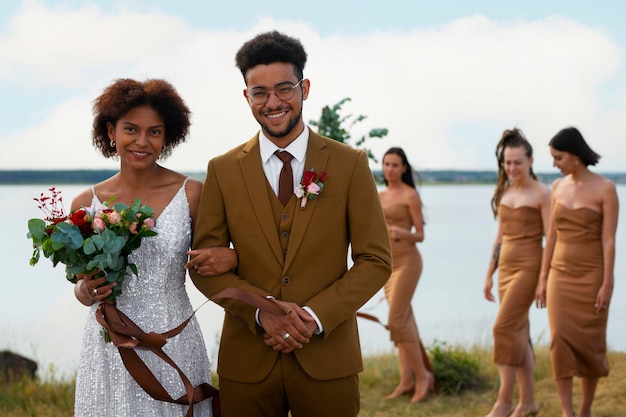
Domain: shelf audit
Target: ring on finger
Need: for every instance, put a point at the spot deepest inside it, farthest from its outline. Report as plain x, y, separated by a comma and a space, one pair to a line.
286, 336
95, 291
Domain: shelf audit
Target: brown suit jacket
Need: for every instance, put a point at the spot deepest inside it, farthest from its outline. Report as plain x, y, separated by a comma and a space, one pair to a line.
236, 207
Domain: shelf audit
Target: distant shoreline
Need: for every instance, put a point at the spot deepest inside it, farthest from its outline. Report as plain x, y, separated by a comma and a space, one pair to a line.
23, 177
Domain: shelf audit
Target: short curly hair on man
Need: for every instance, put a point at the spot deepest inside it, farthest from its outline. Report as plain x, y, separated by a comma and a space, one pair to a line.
270, 47
124, 95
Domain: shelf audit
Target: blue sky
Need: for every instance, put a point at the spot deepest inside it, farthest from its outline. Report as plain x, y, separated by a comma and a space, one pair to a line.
446, 78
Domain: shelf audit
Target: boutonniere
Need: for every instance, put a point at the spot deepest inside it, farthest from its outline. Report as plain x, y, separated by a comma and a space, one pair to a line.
310, 187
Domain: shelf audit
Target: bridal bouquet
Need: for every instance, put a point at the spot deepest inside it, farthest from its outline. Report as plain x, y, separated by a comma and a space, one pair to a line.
90, 238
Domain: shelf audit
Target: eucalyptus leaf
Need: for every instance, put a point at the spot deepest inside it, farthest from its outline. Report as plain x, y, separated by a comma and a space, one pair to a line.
90, 250
89, 247
36, 229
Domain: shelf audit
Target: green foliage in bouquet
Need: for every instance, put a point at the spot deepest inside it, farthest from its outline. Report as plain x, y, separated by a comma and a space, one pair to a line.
95, 239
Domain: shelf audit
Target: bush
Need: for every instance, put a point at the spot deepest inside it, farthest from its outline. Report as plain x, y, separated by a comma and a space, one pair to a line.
455, 369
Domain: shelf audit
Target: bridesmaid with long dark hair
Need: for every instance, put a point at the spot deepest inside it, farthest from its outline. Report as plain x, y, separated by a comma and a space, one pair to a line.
403, 211
576, 280
521, 205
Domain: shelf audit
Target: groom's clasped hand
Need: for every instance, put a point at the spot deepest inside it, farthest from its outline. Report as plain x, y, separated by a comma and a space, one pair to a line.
290, 331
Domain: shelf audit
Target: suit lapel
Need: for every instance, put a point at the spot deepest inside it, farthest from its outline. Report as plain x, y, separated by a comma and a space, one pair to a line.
256, 185
316, 158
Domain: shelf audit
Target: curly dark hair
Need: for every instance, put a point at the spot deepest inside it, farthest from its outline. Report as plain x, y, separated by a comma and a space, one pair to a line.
125, 94
512, 138
270, 47
572, 141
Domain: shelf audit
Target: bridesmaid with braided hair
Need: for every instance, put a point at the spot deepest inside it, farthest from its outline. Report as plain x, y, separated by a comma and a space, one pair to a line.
521, 205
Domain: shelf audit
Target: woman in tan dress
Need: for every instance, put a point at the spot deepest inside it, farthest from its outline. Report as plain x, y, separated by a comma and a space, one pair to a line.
521, 205
403, 210
576, 279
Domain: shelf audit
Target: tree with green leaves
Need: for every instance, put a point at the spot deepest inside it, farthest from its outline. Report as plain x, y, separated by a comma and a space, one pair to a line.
332, 125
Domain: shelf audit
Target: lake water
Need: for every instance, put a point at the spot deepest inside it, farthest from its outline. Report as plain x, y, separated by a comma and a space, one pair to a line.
41, 319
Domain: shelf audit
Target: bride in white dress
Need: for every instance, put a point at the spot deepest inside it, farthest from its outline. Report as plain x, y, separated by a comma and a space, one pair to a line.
139, 122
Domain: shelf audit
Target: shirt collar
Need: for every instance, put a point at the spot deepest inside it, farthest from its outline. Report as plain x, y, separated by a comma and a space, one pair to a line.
297, 148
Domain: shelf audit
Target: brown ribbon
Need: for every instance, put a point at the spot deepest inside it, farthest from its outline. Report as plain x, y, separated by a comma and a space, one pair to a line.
127, 337
372, 318
427, 363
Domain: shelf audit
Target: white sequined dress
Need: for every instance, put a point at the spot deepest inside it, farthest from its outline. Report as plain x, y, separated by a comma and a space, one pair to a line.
156, 300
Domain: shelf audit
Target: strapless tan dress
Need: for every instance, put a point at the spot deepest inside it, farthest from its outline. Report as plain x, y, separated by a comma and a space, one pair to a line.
519, 265
399, 289
578, 333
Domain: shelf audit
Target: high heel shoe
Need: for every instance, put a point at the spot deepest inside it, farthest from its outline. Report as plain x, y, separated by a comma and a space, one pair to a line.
424, 393
527, 411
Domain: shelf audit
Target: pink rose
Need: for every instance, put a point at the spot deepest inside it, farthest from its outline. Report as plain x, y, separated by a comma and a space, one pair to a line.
98, 224
114, 217
149, 223
313, 188
133, 228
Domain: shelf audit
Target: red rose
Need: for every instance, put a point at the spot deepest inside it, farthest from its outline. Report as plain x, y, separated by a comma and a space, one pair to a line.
53, 222
308, 177
80, 218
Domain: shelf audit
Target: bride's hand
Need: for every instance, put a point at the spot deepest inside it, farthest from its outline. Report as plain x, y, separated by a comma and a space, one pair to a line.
91, 288
212, 261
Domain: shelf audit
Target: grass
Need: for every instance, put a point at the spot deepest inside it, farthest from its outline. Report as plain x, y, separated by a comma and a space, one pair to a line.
381, 376
37, 398
471, 394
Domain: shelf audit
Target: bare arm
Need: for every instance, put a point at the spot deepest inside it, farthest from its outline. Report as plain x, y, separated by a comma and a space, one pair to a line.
417, 218
416, 234
610, 208
493, 264
548, 251
545, 207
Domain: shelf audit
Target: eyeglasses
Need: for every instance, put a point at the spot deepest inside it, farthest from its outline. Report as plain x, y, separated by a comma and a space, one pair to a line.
284, 92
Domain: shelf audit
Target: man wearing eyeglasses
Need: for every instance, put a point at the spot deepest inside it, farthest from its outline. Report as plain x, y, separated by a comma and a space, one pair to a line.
292, 241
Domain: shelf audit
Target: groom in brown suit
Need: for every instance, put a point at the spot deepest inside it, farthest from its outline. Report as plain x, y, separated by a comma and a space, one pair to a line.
307, 360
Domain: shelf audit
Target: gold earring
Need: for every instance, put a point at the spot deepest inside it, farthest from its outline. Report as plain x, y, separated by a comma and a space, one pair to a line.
112, 143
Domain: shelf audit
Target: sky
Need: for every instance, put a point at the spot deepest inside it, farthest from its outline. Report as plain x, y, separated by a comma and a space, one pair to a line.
446, 78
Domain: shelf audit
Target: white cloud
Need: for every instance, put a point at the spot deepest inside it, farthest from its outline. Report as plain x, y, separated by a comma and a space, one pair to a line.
445, 93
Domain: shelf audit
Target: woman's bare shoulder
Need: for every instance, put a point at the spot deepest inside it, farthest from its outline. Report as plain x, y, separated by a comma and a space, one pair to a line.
411, 193
193, 187
83, 199
542, 188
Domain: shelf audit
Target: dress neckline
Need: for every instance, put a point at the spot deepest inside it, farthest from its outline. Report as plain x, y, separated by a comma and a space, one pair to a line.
519, 207
578, 208
167, 206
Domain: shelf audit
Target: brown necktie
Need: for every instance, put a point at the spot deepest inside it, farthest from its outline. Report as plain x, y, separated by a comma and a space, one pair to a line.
285, 181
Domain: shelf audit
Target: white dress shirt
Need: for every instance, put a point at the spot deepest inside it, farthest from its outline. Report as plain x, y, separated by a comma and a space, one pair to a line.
272, 163
272, 166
